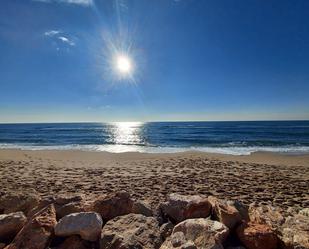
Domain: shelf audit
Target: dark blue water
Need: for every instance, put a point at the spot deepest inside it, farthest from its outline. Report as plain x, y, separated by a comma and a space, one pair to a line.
222, 137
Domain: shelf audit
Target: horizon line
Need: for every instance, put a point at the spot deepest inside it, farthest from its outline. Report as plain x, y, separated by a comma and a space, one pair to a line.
157, 121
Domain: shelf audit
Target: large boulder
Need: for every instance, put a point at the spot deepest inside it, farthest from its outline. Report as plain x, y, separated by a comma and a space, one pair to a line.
295, 232
197, 233
13, 202
10, 225
38, 231
86, 224
225, 213
74, 242
182, 207
132, 231
111, 206
257, 236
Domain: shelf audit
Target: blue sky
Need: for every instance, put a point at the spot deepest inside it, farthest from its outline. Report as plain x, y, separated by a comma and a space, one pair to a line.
193, 60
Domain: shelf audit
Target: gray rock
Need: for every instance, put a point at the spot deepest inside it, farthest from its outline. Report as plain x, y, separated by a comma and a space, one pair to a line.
132, 231
197, 233
182, 207
86, 224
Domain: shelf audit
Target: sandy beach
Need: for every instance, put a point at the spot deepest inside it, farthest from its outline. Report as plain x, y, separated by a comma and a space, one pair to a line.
280, 180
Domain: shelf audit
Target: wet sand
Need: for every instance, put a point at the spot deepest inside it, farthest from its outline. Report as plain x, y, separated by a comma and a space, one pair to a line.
280, 180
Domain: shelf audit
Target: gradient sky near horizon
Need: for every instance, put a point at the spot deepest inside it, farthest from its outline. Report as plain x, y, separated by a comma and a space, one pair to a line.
193, 60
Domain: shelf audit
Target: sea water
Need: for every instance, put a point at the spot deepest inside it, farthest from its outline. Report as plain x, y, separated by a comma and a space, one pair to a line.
238, 138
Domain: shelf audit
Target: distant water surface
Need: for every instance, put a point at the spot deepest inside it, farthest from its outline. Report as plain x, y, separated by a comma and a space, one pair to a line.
239, 138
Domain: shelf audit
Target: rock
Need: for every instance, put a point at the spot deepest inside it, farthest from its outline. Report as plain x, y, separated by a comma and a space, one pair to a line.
2, 245
166, 230
257, 236
132, 231
14, 202
66, 198
266, 214
178, 240
42, 204
242, 209
87, 224
304, 212
197, 233
140, 207
182, 207
37, 233
74, 242
10, 225
72, 207
114, 205
295, 232
225, 213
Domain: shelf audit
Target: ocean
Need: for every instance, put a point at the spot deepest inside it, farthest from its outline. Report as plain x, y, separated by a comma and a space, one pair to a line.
237, 138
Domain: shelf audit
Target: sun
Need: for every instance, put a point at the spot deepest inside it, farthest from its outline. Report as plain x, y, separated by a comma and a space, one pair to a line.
123, 64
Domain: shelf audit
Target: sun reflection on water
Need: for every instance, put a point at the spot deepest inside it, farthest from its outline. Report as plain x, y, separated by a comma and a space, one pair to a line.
126, 133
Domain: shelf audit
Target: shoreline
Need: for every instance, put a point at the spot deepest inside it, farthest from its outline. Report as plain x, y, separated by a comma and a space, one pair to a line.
275, 158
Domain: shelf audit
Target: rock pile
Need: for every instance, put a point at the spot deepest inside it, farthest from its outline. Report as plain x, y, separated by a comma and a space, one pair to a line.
117, 221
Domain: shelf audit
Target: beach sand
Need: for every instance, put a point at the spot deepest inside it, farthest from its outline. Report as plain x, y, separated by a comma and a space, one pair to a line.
280, 180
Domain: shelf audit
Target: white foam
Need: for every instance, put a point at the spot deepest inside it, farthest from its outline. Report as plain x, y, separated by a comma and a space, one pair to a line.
231, 150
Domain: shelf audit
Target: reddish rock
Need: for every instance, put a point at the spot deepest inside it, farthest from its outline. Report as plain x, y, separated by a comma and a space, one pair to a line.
266, 214
182, 207
15, 202
37, 233
225, 213
113, 205
10, 225
257, 236
74, 242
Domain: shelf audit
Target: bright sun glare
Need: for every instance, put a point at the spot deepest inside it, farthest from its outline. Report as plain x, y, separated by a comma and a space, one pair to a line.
123, 64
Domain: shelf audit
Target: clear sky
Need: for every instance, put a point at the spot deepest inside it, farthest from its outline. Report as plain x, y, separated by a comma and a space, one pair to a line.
187, 60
